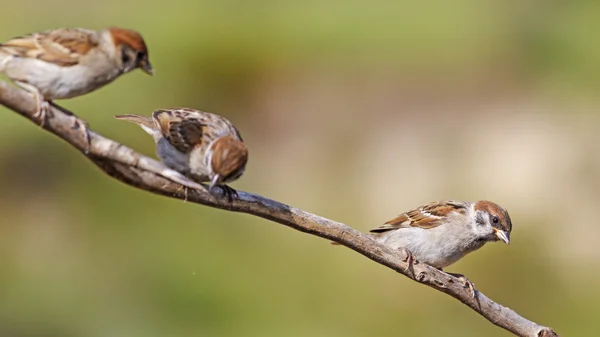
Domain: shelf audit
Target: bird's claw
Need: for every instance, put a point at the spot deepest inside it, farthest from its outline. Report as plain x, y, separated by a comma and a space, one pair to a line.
185, 192
227, 191
409, 259
43, 110
230, 193
466, 283
79, 124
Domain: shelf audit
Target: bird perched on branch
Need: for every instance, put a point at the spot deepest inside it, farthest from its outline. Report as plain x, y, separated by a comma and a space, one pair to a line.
69, 62
443, 232
201, 145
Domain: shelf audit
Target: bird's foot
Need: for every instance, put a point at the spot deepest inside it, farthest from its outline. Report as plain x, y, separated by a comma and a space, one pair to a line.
83, 126
43, 111
185, 192
228, 193
408, 258
466, 283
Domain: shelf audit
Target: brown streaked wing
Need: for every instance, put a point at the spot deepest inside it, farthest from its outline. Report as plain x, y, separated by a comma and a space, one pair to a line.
21, 44
62, 46
428, 216
184, 133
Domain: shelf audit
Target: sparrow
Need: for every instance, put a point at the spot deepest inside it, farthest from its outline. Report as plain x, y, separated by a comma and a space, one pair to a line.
203, 146
69, 62
441, 233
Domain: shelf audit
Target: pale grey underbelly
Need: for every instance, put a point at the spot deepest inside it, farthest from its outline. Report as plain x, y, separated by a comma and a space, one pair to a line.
431, 246
56, 82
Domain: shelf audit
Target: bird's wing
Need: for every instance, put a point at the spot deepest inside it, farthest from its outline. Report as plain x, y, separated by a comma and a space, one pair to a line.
63, 47
427, 216
183, 130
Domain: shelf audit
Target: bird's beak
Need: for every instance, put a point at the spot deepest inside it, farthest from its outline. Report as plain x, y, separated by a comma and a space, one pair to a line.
147, 68
213, 182
502, 235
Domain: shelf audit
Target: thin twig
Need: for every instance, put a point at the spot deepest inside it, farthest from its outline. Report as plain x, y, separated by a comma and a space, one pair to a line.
132, 168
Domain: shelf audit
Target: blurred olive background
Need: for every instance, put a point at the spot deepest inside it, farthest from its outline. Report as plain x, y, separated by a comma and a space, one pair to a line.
354, 110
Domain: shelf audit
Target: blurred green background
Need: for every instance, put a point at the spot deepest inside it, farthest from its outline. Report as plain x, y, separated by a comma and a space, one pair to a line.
354, 110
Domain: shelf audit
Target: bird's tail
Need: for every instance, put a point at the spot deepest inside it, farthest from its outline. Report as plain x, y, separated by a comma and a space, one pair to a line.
147, 123
141, 120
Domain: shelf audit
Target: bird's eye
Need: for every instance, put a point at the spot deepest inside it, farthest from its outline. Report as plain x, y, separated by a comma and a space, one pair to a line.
495, 219
139, 56
125, 58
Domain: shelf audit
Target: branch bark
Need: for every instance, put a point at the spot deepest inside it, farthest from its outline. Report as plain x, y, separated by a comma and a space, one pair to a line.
132, 168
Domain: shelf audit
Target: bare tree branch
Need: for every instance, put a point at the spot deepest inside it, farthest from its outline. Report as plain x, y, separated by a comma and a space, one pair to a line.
134, 169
